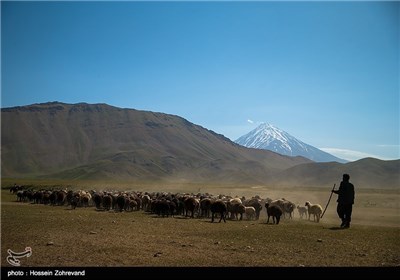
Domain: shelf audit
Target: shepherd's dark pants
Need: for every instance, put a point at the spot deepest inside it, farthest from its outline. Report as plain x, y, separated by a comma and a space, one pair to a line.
344, 212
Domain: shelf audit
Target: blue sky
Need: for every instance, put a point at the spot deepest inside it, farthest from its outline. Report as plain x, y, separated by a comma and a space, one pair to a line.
325, 72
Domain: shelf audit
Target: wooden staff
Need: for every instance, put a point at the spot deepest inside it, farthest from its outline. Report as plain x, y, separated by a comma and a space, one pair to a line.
329, 200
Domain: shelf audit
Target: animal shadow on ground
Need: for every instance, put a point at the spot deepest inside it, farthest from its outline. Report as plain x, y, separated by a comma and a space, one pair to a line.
336, 228
182, 217
160, 217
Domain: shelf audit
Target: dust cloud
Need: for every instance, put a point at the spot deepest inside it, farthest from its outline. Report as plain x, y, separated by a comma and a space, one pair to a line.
372, 207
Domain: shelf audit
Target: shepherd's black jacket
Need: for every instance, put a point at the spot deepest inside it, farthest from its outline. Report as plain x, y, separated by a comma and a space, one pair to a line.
346, 193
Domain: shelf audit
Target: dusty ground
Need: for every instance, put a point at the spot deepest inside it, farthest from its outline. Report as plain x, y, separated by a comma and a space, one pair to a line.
59, 236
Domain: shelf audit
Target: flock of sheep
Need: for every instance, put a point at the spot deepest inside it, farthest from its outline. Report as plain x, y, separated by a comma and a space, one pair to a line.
167, 204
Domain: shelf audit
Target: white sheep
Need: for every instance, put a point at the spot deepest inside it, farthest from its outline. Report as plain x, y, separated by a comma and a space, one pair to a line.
314, 209
302, 210
235, 200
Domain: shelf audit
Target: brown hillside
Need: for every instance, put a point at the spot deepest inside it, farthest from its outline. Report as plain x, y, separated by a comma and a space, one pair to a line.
365, 173
98, 141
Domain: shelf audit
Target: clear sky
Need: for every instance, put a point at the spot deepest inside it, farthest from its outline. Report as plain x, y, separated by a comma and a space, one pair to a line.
325, 72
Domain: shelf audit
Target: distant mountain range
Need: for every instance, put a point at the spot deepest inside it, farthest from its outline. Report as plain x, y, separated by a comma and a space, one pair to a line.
98, 141
109, 144
269, 137
364, 173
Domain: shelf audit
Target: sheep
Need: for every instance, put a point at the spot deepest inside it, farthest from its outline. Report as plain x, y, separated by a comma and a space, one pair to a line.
162, 207
69, 197
205, 205
314, 209
138, 202
107, 201
121, 202
61, 196
235, 200
235, 210
146, 202
218, 207
74, 202
288, 207
250, 212
97, 199
302, 210
132, 204
172, 207
278, 202
190, 204
85, 199
233, 207
38, 197
20, 196
275, 211
254, 202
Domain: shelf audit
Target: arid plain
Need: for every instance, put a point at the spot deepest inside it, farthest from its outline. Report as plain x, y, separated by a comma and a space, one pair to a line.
60, 236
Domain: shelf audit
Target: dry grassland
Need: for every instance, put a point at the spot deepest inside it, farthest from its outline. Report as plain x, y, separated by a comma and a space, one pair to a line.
59, 236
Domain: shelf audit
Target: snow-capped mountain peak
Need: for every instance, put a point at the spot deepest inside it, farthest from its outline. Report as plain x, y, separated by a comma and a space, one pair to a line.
268, 137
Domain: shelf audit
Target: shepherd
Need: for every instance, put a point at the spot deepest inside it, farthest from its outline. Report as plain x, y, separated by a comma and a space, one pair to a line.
345, 200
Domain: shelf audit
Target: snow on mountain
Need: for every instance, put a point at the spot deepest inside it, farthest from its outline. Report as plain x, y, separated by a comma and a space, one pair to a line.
269, 137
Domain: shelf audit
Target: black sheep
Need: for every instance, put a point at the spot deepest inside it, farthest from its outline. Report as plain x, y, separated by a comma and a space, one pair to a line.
275, 211
97, 199
107, 201
218, 207
74, 202
121, 202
